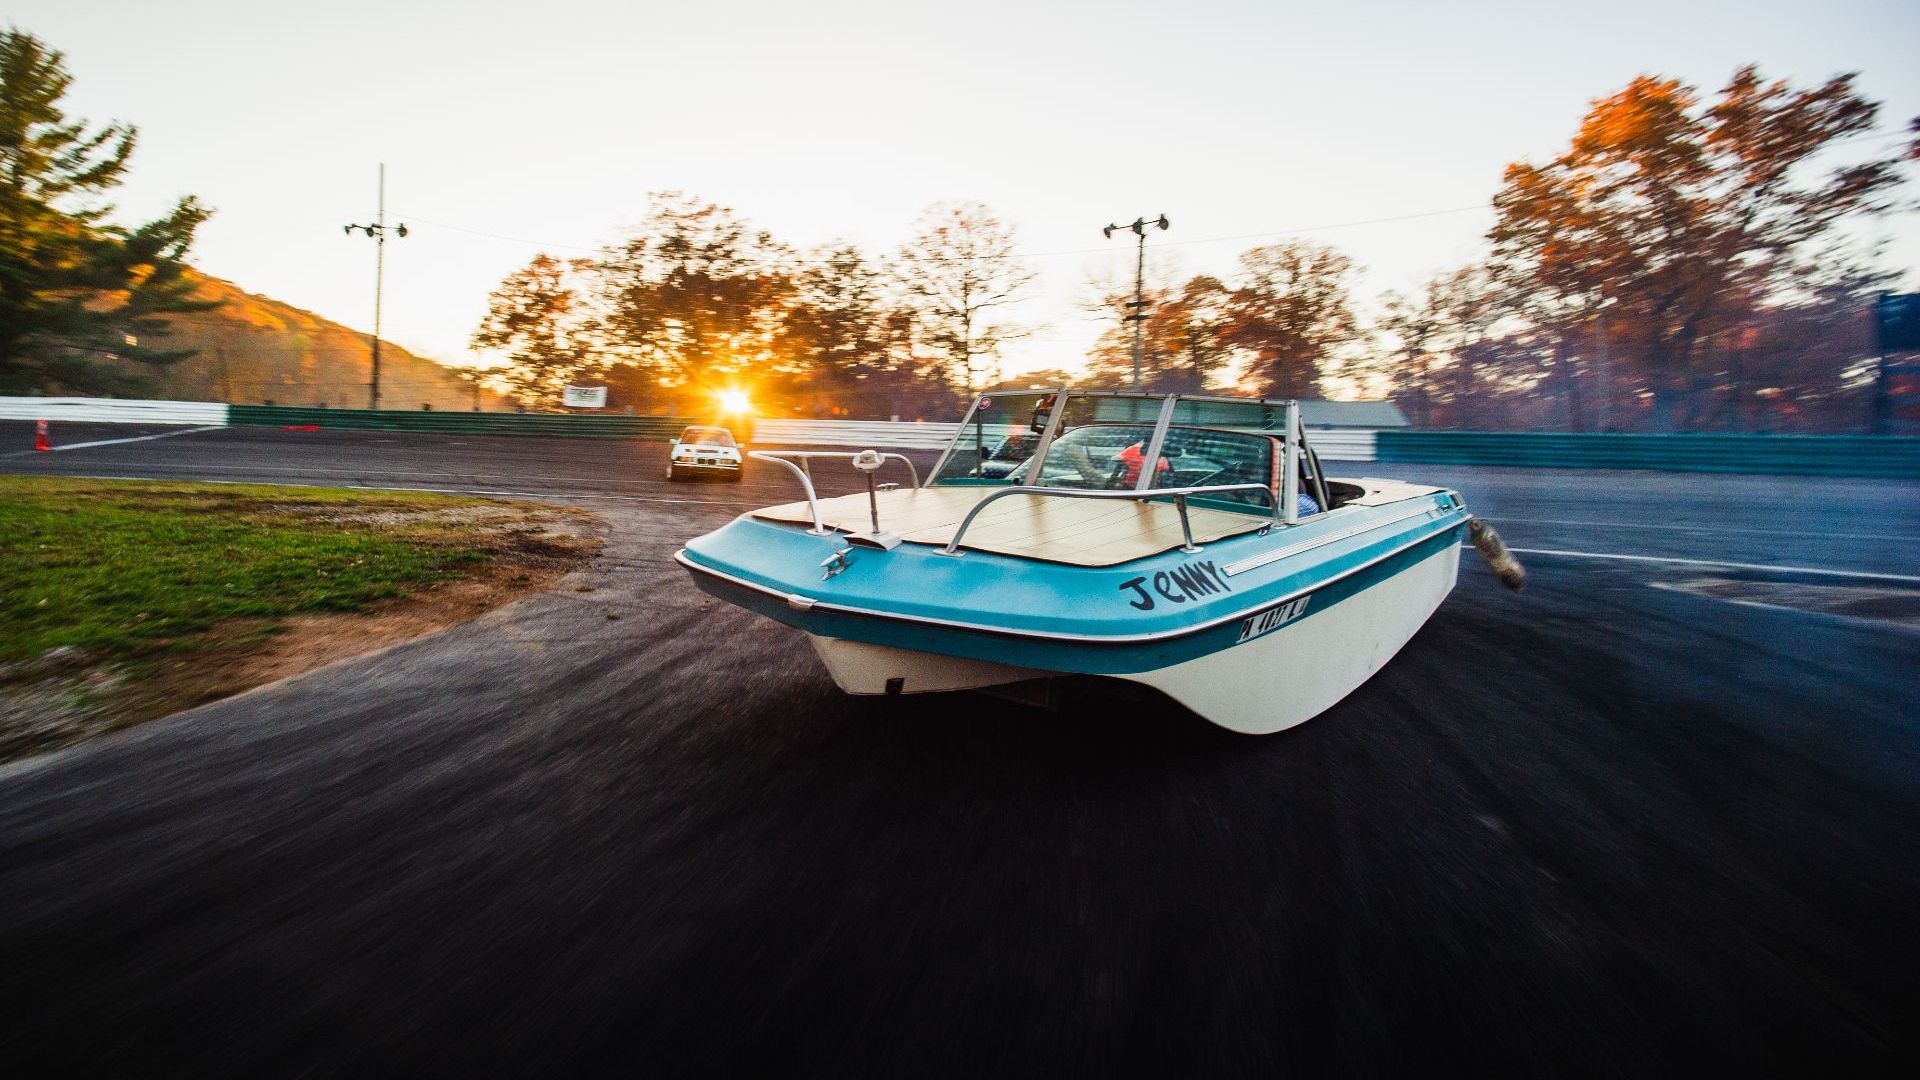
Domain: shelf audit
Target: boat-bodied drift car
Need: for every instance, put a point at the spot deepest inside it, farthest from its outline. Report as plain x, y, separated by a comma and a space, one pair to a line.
704, 450
1232, 574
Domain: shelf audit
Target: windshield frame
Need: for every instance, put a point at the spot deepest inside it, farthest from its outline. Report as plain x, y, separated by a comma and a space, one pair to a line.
1292, 435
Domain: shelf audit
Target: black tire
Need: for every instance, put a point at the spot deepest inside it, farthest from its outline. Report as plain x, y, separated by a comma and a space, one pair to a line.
736, 476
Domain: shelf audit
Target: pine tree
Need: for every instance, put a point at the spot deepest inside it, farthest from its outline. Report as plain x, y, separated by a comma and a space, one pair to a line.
82, 300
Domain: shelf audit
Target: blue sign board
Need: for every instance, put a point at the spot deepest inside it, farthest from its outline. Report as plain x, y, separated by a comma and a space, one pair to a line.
1898, 317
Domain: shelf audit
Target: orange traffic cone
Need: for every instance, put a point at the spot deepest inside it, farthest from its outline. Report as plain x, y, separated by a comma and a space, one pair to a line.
40, 436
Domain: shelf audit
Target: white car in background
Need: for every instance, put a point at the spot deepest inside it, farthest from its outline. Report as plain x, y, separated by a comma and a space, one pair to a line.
702, 449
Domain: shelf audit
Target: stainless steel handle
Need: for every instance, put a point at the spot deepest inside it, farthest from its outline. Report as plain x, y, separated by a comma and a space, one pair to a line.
1179, 496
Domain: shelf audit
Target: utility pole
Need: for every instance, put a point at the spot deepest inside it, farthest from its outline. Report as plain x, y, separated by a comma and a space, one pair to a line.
1603, 404
1139, 304
378, 230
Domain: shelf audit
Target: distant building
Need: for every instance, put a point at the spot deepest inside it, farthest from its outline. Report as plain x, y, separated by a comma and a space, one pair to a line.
1320, 413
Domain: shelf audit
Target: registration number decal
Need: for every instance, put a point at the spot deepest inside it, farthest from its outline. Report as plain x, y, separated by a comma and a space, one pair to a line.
1272, 619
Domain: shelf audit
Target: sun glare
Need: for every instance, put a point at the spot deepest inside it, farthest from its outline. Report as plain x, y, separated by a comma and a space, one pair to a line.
735, 401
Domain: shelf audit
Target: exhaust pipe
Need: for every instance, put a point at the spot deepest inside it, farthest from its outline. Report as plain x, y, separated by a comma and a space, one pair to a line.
1499, 559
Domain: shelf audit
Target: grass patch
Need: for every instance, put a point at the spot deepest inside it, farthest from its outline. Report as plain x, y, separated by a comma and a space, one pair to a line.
123, 600
124, 569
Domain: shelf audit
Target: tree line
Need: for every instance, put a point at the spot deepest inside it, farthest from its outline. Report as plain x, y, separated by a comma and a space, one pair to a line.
695, 300
1690, 261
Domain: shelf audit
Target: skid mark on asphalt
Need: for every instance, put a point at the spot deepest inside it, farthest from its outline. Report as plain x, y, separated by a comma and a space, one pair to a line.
1728, 529
115, 442
1759, 567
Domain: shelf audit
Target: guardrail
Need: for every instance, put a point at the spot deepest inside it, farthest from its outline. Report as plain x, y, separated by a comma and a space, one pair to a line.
1887, 456
77, 410
1342, 444
552, 425
855, 433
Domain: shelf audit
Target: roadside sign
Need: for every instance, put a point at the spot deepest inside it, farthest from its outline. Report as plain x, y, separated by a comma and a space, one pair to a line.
1898, 318
585, 397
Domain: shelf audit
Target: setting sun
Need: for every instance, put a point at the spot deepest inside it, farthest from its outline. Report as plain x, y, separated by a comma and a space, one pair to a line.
735, 401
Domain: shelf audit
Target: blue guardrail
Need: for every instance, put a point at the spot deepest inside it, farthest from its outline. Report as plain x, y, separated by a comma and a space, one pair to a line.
1796, 455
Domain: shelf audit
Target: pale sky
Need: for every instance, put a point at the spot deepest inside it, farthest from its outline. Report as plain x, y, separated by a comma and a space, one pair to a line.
546, 124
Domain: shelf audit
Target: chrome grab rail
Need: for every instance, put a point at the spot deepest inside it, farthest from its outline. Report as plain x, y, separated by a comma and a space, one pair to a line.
1179, 496
804, 473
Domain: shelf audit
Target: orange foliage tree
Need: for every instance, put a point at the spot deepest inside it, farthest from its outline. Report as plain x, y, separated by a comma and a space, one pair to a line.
1671, 220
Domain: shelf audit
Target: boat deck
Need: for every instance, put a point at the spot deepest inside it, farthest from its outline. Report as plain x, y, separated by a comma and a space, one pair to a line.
1076, 532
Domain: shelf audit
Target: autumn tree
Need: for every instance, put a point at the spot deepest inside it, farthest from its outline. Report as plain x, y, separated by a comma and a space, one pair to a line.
1184, 339
1670, 220
537, 322
696, 293
80, 297
1291, 311
835, 328
1415, 323
1443, 342
961, 278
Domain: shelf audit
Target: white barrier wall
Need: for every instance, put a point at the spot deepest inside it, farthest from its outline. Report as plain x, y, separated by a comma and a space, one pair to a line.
1332, 444
113, 411
854, 433
1340, 444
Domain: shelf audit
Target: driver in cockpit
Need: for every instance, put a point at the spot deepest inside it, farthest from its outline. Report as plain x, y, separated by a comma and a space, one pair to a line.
1135, 456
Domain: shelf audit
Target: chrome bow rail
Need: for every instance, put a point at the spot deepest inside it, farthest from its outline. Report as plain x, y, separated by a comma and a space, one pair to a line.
804, 473
1178, 495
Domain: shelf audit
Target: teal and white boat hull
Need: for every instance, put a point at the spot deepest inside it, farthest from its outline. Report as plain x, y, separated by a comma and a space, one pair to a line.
1256, 632
1188, 543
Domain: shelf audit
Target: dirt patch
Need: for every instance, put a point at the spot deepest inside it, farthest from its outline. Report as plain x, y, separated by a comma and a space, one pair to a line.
66, 695
250, 655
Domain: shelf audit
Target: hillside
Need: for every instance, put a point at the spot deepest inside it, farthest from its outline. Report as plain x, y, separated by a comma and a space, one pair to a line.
257, 350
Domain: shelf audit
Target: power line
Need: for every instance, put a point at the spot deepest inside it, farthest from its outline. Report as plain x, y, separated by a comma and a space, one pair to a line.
227, 238
502, 236
1891, 133
1023, 254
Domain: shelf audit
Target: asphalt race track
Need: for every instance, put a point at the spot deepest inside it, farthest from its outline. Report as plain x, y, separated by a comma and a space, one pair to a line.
1649, 817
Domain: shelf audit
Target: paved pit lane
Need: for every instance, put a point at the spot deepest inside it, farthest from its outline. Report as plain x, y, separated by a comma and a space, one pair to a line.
1598, 827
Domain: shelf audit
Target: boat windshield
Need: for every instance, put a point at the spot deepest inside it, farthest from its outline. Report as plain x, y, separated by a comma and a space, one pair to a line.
1000, 432
1112, 456
1100, 440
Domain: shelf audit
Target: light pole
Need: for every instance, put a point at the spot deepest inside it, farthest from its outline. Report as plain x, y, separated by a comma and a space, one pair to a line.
377, 230
1139, 304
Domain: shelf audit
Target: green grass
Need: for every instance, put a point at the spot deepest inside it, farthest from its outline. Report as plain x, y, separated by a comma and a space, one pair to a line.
122, 569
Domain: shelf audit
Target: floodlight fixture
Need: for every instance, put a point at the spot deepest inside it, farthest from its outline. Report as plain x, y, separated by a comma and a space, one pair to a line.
1138, 307
378, 231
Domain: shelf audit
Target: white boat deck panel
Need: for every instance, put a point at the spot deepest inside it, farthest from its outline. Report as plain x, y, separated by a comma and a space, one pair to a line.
1078, 532
1381, 492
